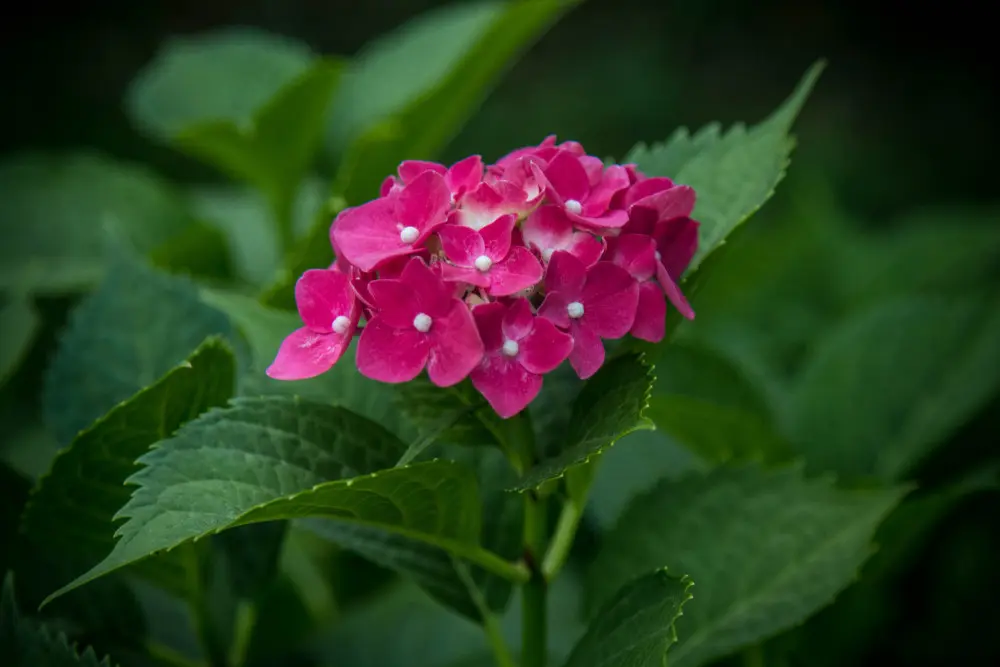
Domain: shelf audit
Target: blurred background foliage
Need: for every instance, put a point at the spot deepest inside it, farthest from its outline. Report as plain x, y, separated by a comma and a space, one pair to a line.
857, 317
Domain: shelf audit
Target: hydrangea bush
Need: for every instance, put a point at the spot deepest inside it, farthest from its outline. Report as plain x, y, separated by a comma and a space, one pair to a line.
373, 409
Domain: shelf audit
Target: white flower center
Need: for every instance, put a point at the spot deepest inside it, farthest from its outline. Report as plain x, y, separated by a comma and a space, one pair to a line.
547, 253
659, 257
409, 234
340, 324
422, 322
573, 206
510, 348
483, 263
575, 310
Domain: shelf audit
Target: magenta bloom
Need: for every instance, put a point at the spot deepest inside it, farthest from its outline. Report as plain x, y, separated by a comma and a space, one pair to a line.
549, 229
520, 348
497, 273
584, 189
330, 311
395, 225
418, 323
595, 303
488, 259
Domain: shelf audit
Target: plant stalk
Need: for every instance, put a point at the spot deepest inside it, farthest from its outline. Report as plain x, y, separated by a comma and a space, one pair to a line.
534, 594
562, 540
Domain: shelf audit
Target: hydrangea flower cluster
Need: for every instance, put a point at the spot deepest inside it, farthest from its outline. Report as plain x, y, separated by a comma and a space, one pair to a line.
497, 273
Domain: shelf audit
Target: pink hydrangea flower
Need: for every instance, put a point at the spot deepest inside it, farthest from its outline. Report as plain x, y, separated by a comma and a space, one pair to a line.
488, 259
520, 349
418, 323
595, 303
496, 273
395, 225
330, 311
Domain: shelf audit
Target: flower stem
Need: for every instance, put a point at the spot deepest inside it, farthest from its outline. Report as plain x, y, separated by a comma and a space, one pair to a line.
494, 635
533, 599
562, 540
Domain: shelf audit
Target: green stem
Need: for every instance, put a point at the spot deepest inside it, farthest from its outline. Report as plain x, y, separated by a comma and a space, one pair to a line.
246, 618
494, 635
533, 599
517, 573
166, 655
753, 656
562, 540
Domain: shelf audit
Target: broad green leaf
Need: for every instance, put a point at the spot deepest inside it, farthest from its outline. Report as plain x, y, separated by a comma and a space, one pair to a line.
733, 173
434, 569
27, 643
890, 383
274, 152
410, 91
242, 215
769, 548
265, 328
717, 433
18, 326
223, 75
277, 458
69, 522
53, 209
610, 406
457, 414
666, 158
136, 327
636, 627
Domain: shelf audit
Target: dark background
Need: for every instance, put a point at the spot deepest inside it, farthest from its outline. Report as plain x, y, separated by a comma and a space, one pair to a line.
903, 119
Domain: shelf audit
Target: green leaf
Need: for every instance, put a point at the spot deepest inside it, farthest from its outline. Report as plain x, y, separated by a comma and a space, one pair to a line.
276, 458
434, 569
52, 212
733, 173
890, 383
29, 644
135, 328
68, 525
19, 324
410, 91
769, 548
243, 217
265, 328
457, 414
610, 406
636, 627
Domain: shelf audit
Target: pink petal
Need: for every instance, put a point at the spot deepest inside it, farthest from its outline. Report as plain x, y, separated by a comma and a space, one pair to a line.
641, 220
650, 314
388, 186
323, 295
567, 177
646, 187
613, 219
390, 354
547, 228
462, 245
489, 319
368, 234
465, 174
594, 166
553, 309
464, 274
518, 320
677, 202
614, 179
395, 302
673, 292
636, 254
305, 354
519, 270
433, 296
480, 207
677, 241
505, 384
456, 347
497, 236
410, 169
424, 202
544, 348
609, 299
588, 352
566, 274
587, 248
